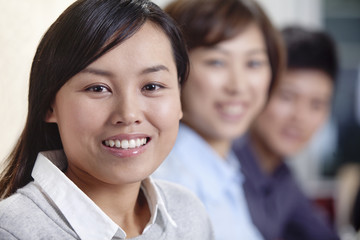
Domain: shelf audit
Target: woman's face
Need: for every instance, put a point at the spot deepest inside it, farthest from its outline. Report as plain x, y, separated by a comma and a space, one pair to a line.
298, 106
227, 86
118, 118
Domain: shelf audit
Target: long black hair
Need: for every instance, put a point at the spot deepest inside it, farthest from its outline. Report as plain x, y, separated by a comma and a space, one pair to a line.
84, 32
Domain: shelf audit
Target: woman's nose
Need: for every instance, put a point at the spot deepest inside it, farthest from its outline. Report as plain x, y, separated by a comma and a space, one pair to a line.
126, 110
235, 83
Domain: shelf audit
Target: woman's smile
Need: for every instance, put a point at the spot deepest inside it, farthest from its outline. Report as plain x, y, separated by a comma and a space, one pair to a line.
126, 146
231, 111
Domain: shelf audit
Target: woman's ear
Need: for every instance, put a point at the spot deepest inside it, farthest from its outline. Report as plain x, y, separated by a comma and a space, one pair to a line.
50, 116
181, 114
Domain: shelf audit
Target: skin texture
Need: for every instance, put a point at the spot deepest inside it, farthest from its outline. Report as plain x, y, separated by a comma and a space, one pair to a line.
130, 92
299, 105
227, 87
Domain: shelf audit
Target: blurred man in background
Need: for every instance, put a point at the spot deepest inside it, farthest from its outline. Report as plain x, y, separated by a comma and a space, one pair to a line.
298, 106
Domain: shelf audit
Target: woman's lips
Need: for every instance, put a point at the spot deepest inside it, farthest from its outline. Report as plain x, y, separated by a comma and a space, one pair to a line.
231, 111
125, 143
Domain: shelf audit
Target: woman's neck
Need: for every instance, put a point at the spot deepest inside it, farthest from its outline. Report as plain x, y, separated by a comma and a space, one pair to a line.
126, 205
269, 160
222, 147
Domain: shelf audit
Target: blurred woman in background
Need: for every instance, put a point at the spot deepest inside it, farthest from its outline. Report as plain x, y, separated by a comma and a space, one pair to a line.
235, 56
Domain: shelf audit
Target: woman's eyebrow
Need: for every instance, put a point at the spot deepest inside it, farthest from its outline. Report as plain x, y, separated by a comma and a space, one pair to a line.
105, 73
153, 69
98, 72
256, 51
217, 49
251, 51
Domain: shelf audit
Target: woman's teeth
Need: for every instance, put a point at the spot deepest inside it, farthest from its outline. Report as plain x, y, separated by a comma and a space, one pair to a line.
233, 110
125, 144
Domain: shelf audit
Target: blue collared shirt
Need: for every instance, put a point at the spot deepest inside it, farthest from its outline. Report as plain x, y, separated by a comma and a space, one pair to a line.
216, 181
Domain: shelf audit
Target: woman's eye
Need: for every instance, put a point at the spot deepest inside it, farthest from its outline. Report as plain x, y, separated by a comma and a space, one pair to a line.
151, 87
215, 63
286, 96
255, 63
97, 88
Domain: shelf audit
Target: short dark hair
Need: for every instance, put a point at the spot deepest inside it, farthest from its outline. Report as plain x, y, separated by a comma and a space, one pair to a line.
84, 32
310, 49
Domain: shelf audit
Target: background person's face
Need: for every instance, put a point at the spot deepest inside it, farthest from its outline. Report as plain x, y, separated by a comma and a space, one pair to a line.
299, 105
227, 86
106, 112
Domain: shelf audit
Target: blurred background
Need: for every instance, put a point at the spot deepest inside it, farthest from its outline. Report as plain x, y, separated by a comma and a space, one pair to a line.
328, 169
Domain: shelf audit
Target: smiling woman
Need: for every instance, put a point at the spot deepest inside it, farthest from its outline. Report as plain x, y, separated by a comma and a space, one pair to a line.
236, 56
104, 111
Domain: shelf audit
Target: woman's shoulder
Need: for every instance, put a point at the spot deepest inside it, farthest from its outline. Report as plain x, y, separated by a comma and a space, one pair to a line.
16, 205
29, 214
17, 212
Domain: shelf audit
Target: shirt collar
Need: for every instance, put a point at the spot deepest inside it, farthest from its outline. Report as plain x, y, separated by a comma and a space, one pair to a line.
85, 217
155, 201
206, 159
250, 165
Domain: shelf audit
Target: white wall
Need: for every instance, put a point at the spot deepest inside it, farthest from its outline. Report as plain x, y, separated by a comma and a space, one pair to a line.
23, 22
307, 13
